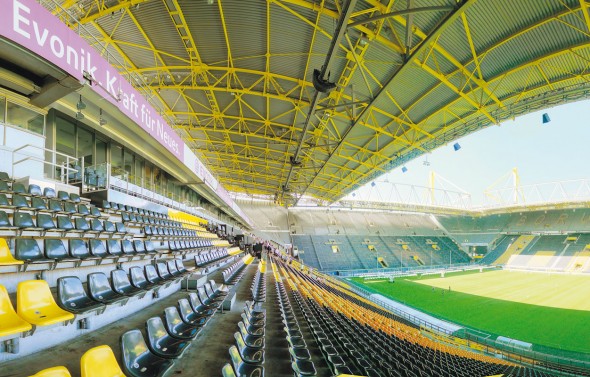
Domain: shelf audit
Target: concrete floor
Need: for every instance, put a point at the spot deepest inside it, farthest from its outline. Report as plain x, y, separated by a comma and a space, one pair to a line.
207, 353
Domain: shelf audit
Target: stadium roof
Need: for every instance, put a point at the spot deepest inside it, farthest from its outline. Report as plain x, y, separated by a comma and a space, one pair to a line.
235, 77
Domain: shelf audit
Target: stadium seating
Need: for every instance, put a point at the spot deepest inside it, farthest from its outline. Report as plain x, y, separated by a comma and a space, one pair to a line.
36, 305
100, 362
161, 343
11, 324
138, 359
53, 372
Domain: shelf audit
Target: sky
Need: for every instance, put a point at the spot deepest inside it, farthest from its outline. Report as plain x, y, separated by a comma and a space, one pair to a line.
555, 151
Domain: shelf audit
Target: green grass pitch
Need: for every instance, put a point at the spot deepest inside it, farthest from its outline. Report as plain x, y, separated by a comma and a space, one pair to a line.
547, 310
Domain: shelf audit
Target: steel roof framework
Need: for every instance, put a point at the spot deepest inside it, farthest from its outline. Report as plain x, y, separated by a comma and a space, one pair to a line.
235, 76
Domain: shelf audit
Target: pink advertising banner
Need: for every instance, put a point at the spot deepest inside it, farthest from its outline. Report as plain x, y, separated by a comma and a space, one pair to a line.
30, 25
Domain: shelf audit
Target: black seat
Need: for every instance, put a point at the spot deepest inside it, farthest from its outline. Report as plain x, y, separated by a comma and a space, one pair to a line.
101, 291
56, 250
62, 195
127, 247
188, 315
253, 341
176, 327
97, 248
55, 205
109, 227
83, 210
49, 193
163, 272
24, 220
72, 297
205, 300
139, 246
250, 355
38, 204
19, 188
138, 361
198, 307
243, 369
27, 249
96, 226
64, 224
79, 249
45, 222
70, 208
303, 368
138, 279
228, 371
75, 197
81, 224
5, 177
114, 248
35, 190
19, 201
122, 285
161, 343
152, 276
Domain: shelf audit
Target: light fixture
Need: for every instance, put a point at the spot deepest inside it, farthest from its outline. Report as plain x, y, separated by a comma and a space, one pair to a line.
79, 115
80, 105
546, 118
210, 2
102, 121
363, 40
456, 146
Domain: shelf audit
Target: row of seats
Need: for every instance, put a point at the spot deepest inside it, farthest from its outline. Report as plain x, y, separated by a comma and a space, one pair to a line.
372, 345
36, 305
38, 204
211, 257
168, 339
234, 273
35, 191
247, 354
42, 222
159, 231
189, 245
258, 288
300, 357
57, 250
118, 208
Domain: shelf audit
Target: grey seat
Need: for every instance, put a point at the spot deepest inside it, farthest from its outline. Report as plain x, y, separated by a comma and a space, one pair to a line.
161, 343
72, 297
250, 355
122, 284
138, 361
97, 248
56, 250
243, 369
138, 279
101, 291
27, 249
176, 327
188, 315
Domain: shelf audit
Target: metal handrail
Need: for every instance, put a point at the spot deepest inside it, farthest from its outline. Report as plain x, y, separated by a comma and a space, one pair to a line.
65, 167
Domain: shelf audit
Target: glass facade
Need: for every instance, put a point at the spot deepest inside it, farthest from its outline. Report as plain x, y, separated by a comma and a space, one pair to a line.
22, 116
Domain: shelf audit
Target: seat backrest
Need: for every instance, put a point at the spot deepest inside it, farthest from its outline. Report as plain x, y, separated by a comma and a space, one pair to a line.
156, 331
4, 176
4, 200
35, 190
127, 247
120, 280
45, 221
228, 371
239, 341
55, 248
151, 274
53, 372
100, 362
70, 207
4, 186
121, 228
27, 249
79, 248
38, 203
55, 205
4, 221
48, 192
99, 286
139, 246
94, 211
74, 197
83, 210
150, 247
172, 268
19, 188
179, 265
81, 224
184, 308
236, 359
172, 317
109, 226
163, 270
97, 248
32, 295
96, 225
23, 220
106, 204
114, 247
202, 295
138, 279
64, 223
6, 257
133, 348
69, 292
19, 201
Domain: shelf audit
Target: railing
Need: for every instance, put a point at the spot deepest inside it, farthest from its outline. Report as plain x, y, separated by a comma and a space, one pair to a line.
65, 168
557, 360
398, 271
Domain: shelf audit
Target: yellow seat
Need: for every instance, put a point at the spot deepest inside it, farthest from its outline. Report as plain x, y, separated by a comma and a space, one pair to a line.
53, 372
35, 304
100, 362
6, 258
10, 322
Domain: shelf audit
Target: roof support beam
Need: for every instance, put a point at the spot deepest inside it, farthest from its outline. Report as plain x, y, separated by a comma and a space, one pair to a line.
402, 13
338, 36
